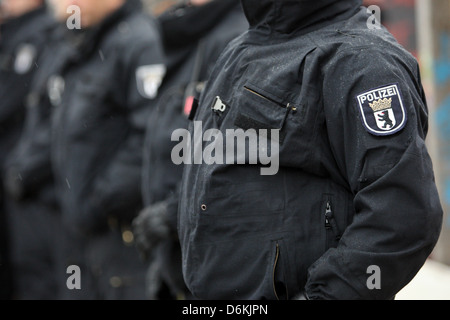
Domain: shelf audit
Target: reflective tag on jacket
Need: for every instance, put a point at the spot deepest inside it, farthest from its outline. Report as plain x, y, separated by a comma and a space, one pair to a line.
382, 110
149, 79
25, 58
55, 89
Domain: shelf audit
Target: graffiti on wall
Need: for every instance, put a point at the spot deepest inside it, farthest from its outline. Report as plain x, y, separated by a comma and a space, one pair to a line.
442, 81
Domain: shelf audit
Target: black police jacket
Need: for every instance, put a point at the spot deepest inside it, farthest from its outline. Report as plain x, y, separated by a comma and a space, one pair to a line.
28, 171
193, 37
99, 125
192, 46
351, 211
22, 40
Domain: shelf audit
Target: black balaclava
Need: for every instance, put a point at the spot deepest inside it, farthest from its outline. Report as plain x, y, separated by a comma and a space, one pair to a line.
288, 15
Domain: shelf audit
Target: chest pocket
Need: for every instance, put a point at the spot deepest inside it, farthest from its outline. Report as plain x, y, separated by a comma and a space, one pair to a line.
88, 104
294, 112
92, 87
261, 109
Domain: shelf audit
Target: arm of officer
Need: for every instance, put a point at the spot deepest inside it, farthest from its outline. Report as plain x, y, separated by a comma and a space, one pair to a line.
383, 156
13, 92
118, 189
28, 166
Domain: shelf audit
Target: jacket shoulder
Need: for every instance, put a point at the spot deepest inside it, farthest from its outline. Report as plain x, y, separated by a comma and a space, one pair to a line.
234, 24
225, 33
137, 30
353, 38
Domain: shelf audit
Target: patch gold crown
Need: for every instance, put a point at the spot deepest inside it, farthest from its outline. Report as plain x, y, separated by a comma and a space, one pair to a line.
381, 104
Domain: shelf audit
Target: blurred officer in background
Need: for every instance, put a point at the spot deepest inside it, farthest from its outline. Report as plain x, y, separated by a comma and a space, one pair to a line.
36, 226
350, 195
24, 33
5, 266
98, 130
194, 34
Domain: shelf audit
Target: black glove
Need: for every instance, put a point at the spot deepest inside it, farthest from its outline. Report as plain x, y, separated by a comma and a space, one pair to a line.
150, 227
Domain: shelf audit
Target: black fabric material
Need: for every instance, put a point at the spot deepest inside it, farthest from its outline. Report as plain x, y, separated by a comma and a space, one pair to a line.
343, 199
98, 127
288, 15
21, 37
184, 25
189, 65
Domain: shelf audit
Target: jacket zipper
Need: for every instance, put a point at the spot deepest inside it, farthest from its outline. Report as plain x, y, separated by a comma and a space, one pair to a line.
277, 255
275, 266
330, 224
328, 213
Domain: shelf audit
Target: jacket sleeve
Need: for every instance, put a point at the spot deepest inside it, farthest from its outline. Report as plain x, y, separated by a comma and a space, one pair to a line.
397, 212
28, 167
118, 189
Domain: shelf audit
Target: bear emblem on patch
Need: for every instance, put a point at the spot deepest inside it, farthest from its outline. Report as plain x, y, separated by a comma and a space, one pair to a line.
382, 110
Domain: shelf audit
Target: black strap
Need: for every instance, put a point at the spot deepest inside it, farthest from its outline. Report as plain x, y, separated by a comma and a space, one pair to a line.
191, 89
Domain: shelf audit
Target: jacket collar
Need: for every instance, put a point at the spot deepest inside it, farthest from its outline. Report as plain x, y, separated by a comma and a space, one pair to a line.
184, 25
92, 36
286, 16
24, 20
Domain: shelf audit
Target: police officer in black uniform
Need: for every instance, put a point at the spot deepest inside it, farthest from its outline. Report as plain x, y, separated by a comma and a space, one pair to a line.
97, 135
5, 266
194, 34
28, 175
347, 195
24, 34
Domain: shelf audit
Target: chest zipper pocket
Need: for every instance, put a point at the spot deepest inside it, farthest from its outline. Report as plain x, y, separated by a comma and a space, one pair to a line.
333, 234
288, 106
261, 110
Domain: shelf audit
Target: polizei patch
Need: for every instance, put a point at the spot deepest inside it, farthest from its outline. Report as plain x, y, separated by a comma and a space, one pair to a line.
382, 110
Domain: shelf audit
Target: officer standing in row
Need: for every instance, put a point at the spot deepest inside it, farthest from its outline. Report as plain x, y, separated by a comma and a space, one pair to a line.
194, 34
28, 175
98, 129
5, 267
24, 33
347, 193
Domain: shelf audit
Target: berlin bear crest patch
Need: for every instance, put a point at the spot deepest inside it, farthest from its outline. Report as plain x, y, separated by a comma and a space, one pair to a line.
382, 110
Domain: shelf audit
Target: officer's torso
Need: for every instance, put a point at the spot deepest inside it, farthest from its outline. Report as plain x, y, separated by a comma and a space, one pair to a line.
234, 218
188, 76
31, 155
91, 120
22, 41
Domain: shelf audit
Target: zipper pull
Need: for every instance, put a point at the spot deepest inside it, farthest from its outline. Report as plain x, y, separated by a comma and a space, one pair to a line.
289, 108
330, 223
328, 214
293, 108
